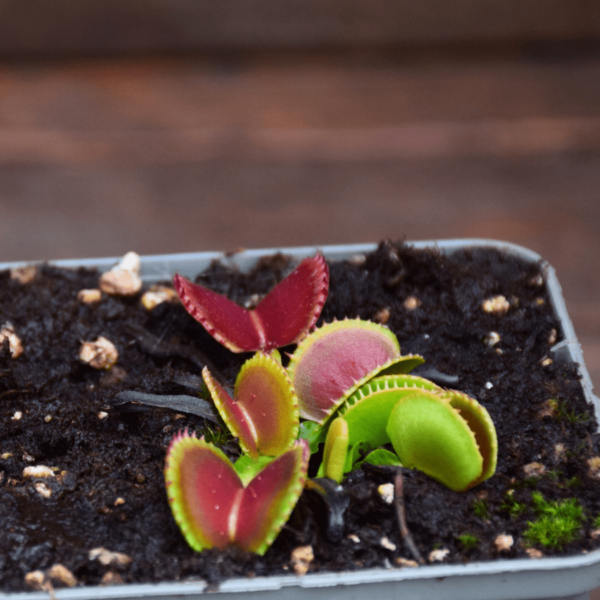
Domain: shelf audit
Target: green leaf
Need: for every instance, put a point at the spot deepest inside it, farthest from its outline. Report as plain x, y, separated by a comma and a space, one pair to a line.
247, 467
336, 449
313, 433
381, 457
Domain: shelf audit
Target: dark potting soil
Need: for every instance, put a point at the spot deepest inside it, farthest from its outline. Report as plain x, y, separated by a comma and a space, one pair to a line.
109, 488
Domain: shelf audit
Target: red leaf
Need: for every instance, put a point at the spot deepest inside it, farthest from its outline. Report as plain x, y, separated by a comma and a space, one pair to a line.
283, 317
212, 506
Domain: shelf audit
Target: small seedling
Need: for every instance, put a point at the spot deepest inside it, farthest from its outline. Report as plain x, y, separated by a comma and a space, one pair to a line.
480, 509
468, 541
573, 482
558, 522
218, 436
570, 416
554, 475
511, 506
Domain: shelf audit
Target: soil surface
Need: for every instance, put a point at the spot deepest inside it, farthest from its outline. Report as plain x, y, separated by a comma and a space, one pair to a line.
108, 489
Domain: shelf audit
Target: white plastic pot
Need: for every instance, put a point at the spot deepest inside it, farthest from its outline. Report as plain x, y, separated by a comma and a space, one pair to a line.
570, 577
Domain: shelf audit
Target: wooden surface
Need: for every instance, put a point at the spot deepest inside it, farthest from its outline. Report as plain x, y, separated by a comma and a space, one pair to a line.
42, 28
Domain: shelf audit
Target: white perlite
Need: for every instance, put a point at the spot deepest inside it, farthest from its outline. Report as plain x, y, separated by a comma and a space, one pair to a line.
504, 542
405, 562
382, 316
386, 491
123, 279
7, 332
89, 296
107, 558
411, 303
158, 294
36, 580
387, 544
62, 576
23, 275
498, 305
438, 555
100, 354
38, 471
43, 490
594, 467
534, 469
301, 557
491, 338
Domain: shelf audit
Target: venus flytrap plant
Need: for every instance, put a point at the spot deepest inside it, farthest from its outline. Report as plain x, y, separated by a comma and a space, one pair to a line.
348, 379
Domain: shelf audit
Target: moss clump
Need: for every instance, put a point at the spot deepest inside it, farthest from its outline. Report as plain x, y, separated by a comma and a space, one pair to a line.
558, 522
480, 509
468, 541
570, 416
219, 436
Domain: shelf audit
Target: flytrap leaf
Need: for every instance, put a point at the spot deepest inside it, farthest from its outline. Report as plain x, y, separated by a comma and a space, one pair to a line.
263, 413
428, 433
283, 317
213, 507
335, 360
367, 411
336, 449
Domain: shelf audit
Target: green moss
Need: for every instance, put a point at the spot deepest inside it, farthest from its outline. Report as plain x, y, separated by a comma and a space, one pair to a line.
511, 506
597, 522
558, 522
218, 436
468, 541
480, 509
573, 482
570, 416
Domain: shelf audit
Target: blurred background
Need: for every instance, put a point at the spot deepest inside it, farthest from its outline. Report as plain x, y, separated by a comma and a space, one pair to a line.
183, 125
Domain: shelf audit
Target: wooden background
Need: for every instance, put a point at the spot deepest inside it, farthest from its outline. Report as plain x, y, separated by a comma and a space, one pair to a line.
172, 126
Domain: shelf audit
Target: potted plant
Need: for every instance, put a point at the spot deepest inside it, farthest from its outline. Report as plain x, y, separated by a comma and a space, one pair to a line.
505, 576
